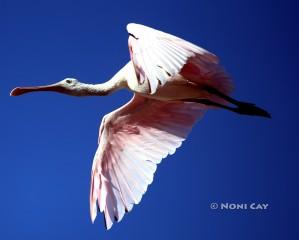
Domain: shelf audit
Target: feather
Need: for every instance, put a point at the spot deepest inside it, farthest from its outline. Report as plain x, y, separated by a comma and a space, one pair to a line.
131, 144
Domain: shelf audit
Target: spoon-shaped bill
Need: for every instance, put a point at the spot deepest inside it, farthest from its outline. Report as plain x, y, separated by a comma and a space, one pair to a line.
22, 90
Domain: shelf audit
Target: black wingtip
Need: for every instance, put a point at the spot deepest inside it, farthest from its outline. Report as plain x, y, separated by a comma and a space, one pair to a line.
105, 223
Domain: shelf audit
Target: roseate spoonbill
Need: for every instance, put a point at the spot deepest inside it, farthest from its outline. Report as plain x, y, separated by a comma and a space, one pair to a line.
174, 82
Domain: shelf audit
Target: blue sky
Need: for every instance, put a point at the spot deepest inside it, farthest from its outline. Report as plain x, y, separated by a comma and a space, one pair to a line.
48, 140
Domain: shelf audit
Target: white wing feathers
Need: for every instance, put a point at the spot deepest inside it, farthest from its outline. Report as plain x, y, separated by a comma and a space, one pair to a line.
157, 56
133, 139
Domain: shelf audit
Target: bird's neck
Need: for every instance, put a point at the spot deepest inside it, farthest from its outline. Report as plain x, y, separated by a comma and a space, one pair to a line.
101, 89
118, 81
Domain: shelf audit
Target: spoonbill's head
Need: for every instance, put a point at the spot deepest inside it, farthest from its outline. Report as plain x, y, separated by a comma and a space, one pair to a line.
70, 86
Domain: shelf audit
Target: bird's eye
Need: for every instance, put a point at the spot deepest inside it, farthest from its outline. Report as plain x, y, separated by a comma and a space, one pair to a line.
68, 81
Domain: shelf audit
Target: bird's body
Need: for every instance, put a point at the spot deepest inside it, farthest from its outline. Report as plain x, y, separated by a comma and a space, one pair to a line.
179, 87
174, 82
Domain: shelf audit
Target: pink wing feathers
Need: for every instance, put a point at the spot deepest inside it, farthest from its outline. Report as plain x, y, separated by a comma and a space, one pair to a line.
158, 56
133, 139
136, 137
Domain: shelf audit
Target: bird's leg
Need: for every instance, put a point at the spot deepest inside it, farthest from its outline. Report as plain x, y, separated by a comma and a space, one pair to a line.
216, 92
208, 102
243, 108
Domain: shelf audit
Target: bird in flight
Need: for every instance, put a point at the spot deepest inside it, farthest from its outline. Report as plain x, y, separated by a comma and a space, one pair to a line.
174, 82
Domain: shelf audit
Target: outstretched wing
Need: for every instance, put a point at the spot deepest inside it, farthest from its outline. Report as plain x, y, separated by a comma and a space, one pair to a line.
158, 56
133, 139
